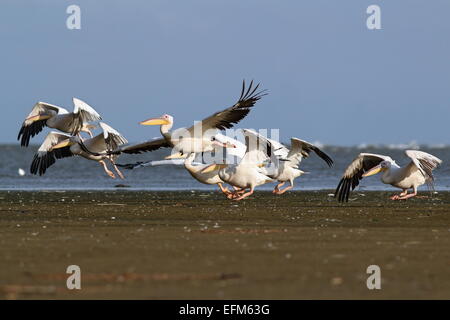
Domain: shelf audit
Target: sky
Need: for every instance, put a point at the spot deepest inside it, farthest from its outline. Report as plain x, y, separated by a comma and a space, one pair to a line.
329, 77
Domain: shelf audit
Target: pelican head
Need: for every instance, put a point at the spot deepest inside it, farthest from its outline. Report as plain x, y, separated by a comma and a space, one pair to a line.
164, 120
383, 166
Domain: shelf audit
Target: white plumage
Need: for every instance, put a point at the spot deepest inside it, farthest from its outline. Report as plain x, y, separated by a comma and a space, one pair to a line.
44, 114
411, 176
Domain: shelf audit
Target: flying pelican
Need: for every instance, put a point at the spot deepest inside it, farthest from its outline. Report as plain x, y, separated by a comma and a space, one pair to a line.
247, 174
411, 176
59, 145
286, 166
201, 136
45, 114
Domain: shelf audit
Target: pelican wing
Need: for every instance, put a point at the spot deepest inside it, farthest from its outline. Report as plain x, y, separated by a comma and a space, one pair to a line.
147, 146
225, 119
301, 149
259, 148
353, 174
153, 163
33, 125
82, 114
425, 162
240, 149
113, 139
279, 149
46, 157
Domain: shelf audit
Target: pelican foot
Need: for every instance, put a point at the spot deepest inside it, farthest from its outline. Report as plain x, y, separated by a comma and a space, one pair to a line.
395, 197
405, 197
233, 196
281, 191
111, 174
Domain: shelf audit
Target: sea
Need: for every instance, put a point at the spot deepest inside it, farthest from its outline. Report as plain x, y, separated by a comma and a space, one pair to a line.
80, 174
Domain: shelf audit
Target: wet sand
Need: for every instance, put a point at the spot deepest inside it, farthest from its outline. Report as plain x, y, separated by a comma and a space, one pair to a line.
198, 245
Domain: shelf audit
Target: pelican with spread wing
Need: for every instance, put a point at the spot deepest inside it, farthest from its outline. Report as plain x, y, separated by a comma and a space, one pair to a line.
44, 114
201, 136
248, 173
59, 145
287, 162
411, 176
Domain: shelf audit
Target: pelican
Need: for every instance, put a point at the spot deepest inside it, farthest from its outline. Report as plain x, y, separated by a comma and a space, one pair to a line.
247, 174
201, 136
45, 114
411, 176
286, 167
59, 145
194, 168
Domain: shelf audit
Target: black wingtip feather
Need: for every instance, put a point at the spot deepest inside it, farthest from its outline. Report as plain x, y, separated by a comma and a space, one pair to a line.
29, 131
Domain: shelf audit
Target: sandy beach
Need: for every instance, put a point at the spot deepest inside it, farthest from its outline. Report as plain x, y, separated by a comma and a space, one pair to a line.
198, 245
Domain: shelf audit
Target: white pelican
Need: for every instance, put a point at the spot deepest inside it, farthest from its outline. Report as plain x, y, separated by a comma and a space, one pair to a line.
59, 145
45, 114
411, 176
247, 174
201, 136
286, 167
194, 168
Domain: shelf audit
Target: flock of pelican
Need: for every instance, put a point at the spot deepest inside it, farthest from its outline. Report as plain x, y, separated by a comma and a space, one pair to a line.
260, 160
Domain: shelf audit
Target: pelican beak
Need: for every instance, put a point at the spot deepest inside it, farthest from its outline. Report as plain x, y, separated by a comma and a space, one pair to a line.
65, 143
373, 171
178, 155
38, 118
154, 122
214, 167
224, 144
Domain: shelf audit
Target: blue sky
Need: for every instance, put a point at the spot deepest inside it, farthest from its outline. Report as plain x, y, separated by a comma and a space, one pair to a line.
330, 78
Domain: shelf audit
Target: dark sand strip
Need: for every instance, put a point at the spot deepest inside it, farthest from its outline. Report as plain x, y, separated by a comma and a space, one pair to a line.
171, 245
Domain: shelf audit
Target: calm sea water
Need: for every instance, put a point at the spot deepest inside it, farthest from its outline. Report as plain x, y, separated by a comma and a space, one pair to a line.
80, 174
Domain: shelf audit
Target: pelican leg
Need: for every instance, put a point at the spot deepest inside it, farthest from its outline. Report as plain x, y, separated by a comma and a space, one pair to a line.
237, 189
277, 187
109, 172
233, 195
398, 196
80, 136
237, 192
117, 170
285, 189
407, 196
224, 189
281, 191
245, 195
